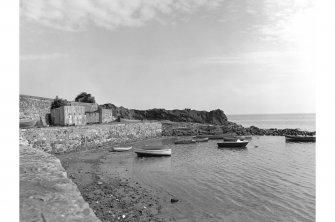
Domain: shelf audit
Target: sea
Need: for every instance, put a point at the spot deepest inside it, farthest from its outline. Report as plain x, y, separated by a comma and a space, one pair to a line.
305, 121
270, 180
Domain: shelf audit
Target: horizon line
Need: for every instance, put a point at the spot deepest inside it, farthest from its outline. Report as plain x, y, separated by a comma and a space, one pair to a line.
242, 114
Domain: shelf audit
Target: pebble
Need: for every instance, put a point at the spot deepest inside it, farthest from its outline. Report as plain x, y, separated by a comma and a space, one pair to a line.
99, 182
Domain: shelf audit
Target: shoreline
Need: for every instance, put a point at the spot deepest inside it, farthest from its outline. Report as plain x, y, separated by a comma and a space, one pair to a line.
106, 183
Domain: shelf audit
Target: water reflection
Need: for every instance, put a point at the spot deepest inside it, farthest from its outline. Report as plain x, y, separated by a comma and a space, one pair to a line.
152, 163
236, 149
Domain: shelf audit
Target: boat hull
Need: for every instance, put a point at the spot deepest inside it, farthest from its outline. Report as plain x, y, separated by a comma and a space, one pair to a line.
233, 144
121, 149
300, 138
153, 153
27, 123
200, 139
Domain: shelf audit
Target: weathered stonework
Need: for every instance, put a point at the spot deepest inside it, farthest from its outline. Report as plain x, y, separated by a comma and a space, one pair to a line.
106, 116
33, 107
46, 194
67, 139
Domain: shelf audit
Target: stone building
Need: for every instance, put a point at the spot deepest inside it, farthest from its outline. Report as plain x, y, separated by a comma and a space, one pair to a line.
68, 115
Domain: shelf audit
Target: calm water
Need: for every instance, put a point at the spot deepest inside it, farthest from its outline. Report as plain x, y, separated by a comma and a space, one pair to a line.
280, 121
274, 181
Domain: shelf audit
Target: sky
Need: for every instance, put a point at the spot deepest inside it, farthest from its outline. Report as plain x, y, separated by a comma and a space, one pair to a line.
241, 56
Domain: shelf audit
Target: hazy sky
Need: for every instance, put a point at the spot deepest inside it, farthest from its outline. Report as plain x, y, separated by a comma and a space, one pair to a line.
241, 56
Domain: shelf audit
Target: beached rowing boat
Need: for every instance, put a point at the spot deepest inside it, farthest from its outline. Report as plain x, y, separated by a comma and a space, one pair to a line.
153, 153
121, 149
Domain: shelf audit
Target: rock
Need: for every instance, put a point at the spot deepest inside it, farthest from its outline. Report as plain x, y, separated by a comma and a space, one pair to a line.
186, 115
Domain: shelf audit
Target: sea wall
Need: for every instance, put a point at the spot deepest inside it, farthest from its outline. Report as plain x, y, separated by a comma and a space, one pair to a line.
46, 193
73, 138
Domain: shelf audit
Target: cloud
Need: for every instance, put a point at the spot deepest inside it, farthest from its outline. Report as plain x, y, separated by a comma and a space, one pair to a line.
29, 57
74, 15
272, 20
289, 20
269, 58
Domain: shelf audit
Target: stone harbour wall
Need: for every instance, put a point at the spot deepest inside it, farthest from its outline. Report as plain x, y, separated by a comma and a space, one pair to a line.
46, 193
74, 138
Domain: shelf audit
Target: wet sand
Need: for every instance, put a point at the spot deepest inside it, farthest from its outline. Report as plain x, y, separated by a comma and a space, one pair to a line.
105, 180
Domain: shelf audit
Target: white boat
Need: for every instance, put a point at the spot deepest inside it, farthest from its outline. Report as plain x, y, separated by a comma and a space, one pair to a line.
151, 152
121, 149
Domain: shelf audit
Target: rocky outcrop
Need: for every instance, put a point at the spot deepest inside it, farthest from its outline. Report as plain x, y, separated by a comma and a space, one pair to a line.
216, 117
46, 194
191, 129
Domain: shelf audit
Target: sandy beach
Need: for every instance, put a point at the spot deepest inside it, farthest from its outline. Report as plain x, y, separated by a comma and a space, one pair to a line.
105, 181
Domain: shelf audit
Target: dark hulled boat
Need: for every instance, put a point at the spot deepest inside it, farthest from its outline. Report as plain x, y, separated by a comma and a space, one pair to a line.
239, 144
300, 138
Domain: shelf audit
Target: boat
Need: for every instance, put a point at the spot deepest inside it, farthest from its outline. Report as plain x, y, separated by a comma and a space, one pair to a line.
27, 123
231, 144
200, 139
300, 138
185, 141
121, 149
152, 153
